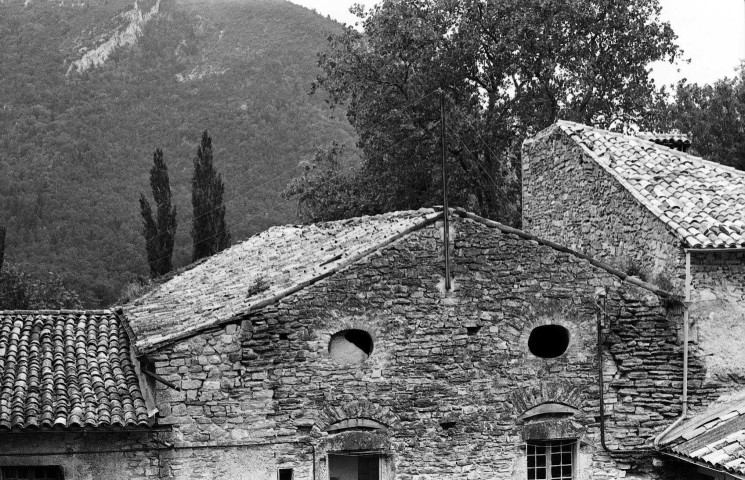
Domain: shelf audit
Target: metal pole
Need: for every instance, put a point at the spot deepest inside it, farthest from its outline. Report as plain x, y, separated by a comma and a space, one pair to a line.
446, 233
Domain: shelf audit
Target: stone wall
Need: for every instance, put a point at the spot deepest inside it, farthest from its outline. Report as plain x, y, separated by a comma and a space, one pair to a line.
718, 313
570, 199
123, 455
443, 393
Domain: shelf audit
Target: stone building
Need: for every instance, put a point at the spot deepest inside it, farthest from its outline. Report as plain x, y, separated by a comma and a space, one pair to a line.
340, 351
660, 214
336, 351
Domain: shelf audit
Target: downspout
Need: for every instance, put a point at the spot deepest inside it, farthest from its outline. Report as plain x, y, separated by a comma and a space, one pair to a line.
686, 304
602, 317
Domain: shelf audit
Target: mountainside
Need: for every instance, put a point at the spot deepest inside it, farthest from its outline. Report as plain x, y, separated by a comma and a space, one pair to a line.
90, 88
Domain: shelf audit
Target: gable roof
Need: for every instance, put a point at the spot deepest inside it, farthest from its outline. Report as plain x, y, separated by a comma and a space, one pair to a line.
67, 369
714, 439
702, 202
258, 272
278, 262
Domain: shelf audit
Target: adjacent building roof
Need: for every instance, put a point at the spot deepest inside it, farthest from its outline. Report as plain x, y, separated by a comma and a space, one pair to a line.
67, 369
257, 272
702, 202
715, 439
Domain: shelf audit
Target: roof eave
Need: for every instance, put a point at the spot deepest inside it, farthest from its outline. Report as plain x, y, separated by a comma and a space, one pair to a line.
728, 474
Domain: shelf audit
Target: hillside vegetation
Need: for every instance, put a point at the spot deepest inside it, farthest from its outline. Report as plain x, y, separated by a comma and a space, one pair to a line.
76, 150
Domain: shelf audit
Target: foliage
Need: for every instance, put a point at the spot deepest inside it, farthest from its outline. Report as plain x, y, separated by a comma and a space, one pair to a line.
133, 290
20, 291
160, 232
326, 190
3, 231
259, 285
76, 150
713, 116
209, 232
508, 69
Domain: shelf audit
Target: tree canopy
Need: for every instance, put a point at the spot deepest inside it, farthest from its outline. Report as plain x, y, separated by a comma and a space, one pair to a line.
713, 116
508, 68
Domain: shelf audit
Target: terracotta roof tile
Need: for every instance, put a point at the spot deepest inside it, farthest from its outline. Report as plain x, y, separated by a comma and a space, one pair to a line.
672, 185
66, 369
252, 273
715, 437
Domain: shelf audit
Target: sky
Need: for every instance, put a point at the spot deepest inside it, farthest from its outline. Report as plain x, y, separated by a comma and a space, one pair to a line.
710, 32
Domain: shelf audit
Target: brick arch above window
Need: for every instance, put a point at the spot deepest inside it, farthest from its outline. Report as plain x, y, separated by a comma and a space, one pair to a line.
530, 396
362, 412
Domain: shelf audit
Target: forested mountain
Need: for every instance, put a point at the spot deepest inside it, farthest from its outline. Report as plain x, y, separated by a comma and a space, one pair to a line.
76, 139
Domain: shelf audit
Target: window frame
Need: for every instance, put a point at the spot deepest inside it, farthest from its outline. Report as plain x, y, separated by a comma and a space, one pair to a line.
551, 448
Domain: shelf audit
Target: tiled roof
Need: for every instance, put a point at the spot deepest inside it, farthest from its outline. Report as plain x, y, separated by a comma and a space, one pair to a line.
257, 272
715, 439
67, 369
702, 202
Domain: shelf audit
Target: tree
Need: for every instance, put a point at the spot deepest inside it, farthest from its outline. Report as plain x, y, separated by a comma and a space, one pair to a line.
209, 232
21, 291
3, 231
159, 232
507, 68
713, 116
326, 190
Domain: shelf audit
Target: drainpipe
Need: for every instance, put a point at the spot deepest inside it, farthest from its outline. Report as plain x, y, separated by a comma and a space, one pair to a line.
687, 304
602, 317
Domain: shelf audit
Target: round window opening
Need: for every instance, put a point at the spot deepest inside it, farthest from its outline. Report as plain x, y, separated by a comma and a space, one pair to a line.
548, 341
350, 346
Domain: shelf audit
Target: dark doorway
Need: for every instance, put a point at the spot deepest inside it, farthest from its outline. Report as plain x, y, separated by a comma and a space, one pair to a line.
354, 467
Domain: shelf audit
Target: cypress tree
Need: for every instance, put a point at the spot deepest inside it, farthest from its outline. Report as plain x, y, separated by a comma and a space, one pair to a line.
159, 232
209, 232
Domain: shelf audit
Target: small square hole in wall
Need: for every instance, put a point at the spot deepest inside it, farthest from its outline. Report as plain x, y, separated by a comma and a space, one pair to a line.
284, 474
473, 330
284, 336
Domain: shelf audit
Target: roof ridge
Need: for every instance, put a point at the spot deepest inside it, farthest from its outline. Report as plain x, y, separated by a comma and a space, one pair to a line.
597, 263
678, 153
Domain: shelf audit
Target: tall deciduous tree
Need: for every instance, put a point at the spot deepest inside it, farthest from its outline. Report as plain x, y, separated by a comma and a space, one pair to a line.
714, 117
159, 232
2, 245
209, 232
508, 69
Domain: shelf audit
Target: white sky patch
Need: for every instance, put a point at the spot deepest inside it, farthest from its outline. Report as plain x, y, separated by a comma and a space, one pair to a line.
711, 33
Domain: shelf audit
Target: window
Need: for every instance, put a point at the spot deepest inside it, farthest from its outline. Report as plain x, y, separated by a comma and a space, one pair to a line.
284, 474
548, 341
551, 460
32, 473
350, 346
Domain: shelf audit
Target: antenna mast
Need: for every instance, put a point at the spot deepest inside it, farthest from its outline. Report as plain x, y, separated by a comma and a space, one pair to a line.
446, 231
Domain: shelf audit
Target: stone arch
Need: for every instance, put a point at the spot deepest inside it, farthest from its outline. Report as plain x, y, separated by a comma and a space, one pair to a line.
557, 392
367, 414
